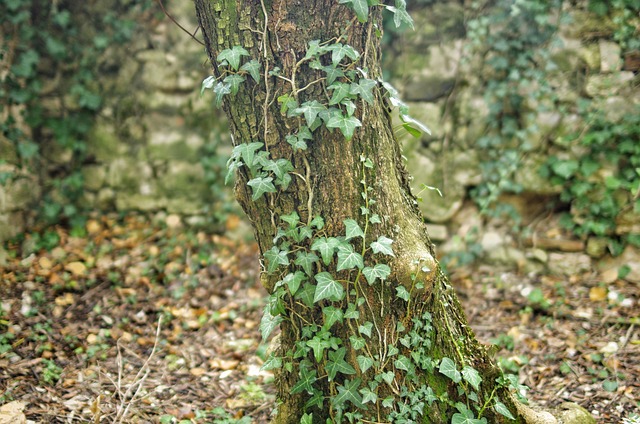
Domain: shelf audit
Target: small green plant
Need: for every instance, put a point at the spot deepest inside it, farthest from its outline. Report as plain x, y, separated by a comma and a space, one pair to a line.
51, 372
610, 149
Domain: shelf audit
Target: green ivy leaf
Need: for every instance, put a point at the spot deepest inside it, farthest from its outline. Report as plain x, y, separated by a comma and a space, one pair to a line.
448, 368
220, 90
306, 419
339, 51
306, 294
502, 409
414, 123
293, 281
380, 271
403, 363
304, 383
317, 222
280, 167
234, 82
327, 288
349, 259
275, 257
247, 152
273, 362
207, 83
400, 16
232, 56
269, 322
346, 124
310, 110
565, 168
364, 362
318, 345
368, 395
292, 219
326, 247
382, 245
260, 186
340, 91
336, 364
331, 316
361, 7
348, 393
253, 68
306, 261
315, 49
388, 377
333, 73
296, 143
471, 376
364, 89
352, 229
357, 343
289, 104
366, 328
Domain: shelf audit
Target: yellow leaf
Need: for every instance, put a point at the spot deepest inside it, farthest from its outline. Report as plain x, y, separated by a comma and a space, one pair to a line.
76, 268
597, 294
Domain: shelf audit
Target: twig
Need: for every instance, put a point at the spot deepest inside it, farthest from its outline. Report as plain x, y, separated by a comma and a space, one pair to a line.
192, 35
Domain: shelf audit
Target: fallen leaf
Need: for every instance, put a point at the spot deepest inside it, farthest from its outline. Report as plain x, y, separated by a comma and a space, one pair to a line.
173, 221
597, 294
65, 300
76, 268
93, 226
11, 413
45, 263
197, 372
223, 364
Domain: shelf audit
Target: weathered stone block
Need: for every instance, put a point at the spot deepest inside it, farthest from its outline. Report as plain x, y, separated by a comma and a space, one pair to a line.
608, 85
94, 176
18, 194
568, 263
140, 202
610, 56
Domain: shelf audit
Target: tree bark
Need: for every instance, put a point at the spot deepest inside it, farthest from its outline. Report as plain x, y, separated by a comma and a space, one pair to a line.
420, 361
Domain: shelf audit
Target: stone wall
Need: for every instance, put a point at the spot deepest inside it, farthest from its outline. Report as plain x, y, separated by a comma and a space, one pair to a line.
440, 76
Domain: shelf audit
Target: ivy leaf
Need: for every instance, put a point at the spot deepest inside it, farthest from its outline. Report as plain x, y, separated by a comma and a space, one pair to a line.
333, 73
289, 104
306, 294
361, 7
275, 257
327, 288
207, 83
388, 377
317, 222
357, 343
471, 376
310, 110
280, 167
318, 345
502, 409
293, 281
306, 261
273, 362
349, 259
246, 151
296, 143
364, 89
306, 419
304, 383
400, 16
292, 219
380, 271
364, 363
253, 68
234, 82
339, 51
231, 168
269, 322
346, 124
331, 316
232, 56
260, 186
352, 229
366, 328
382, 245
348, 392
336, 364
414, 123
220, 90
315, 49
448, 368
403, 363
326, 247
340, 91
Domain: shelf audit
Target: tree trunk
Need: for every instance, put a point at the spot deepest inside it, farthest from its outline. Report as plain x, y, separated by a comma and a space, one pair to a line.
371, 330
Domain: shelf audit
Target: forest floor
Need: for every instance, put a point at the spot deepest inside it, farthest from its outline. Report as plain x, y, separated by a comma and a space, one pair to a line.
131, 322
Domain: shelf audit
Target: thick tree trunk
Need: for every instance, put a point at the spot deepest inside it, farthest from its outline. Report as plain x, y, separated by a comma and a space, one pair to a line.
396, 348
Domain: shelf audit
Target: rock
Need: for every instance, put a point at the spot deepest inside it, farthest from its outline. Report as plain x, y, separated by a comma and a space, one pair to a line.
610, 57
590, 53
628, 222
630, 258
491, 240
94, 177
572, 413
599, 85
568, 263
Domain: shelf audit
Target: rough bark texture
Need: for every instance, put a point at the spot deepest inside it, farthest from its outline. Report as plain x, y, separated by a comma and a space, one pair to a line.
327, 182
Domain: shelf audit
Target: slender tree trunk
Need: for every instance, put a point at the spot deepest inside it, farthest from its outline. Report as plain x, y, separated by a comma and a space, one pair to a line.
390, 345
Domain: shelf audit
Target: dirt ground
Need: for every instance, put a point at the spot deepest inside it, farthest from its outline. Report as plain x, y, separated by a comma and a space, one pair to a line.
132, 322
